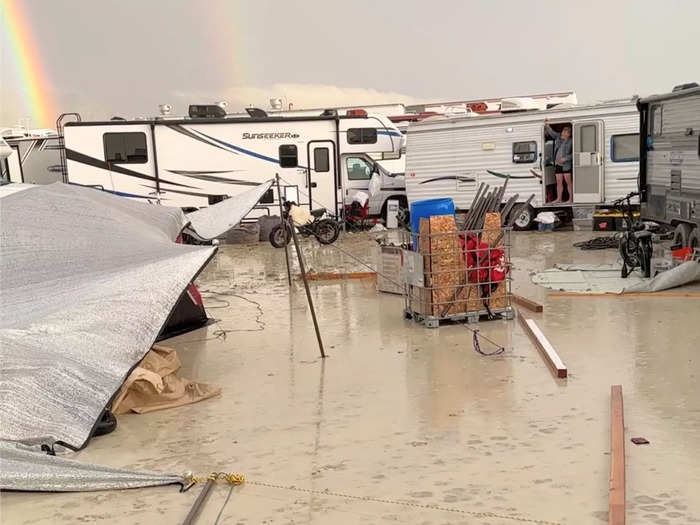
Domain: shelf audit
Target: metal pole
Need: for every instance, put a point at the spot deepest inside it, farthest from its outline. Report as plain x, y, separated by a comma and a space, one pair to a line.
308, 292
198, 503
286, 253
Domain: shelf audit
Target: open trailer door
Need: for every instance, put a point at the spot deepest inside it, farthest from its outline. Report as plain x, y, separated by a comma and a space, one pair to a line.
589, 152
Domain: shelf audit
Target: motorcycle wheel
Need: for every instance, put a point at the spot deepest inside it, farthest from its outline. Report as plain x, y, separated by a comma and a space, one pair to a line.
280, 236
327, 231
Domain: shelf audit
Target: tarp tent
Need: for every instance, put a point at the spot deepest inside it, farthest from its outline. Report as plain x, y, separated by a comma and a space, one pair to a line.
87, 281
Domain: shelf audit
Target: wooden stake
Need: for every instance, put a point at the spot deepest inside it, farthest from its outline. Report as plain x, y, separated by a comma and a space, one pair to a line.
616, 513
527, 303
543, 344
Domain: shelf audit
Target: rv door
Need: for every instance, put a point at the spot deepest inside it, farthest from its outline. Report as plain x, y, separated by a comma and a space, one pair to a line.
588, 162
322, 175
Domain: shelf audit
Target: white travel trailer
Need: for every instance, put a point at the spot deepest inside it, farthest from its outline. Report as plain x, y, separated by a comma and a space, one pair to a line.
30, 156
670, 162
450, 157
193, 162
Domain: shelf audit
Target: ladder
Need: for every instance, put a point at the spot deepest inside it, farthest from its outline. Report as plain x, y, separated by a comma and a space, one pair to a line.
61, 142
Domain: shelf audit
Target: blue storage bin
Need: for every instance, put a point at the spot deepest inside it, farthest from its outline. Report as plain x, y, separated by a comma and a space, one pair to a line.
428, 208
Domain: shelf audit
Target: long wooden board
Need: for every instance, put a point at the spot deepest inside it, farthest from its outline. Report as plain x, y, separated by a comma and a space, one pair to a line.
527, 303
543, 345
616, 512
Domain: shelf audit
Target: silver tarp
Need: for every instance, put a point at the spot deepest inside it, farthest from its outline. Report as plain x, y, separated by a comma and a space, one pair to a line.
22, 468
209, 223
87, 280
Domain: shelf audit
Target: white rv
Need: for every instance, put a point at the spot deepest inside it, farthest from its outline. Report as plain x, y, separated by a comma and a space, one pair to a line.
193, 162
450, 157
31, 156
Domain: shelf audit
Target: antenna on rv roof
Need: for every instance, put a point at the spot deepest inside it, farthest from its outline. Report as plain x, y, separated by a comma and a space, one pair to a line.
165, 109
276, 103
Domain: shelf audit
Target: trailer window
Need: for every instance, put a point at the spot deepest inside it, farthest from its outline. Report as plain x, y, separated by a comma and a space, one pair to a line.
321, 160
624, 148
125, 148
358, 168
362, 136
524, 152
288, 156
268, 197
656, 120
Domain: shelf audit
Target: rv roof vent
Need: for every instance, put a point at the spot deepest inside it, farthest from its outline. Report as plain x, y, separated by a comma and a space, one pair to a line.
356, 113
688, 85
256, 113
117, 118
207, 111
329, 113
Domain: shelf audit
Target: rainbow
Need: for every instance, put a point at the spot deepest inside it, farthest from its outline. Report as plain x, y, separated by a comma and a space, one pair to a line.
31, 80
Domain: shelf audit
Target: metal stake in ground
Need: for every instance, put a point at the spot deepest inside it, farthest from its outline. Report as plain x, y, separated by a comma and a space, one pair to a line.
308, 292
286, 253
198, 503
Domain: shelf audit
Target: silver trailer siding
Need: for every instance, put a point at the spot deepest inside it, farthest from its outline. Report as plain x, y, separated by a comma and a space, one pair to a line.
670, 157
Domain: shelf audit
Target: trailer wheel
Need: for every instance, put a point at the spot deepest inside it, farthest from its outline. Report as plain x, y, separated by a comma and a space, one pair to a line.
525, 218
681, 234
694, 239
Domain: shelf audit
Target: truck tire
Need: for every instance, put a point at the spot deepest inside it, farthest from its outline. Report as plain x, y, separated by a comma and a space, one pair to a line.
525, 218
694, 238
681, 234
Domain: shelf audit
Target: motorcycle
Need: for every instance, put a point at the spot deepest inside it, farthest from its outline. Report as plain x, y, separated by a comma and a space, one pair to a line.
326, 230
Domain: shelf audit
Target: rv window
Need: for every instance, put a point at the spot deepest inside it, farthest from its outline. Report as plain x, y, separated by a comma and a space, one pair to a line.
288, 156
321, 162
362, 136
268, 197
656, 120
524, 152
624, 148
358, 168
125, 148
588, 139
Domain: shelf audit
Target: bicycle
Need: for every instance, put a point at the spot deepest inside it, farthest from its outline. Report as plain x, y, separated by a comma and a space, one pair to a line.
636, 243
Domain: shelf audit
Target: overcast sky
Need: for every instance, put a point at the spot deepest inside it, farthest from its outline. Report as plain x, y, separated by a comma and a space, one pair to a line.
123, 57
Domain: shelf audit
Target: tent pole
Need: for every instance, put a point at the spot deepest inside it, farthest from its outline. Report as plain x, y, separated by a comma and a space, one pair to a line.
308, 292
286, 253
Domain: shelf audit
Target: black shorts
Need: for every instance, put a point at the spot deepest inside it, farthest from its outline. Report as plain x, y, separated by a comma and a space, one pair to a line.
560, 169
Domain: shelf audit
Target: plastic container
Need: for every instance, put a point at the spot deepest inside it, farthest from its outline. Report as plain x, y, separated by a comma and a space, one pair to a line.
427, 208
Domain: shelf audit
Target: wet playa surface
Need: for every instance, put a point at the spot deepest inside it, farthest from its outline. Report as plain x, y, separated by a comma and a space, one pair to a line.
410, 417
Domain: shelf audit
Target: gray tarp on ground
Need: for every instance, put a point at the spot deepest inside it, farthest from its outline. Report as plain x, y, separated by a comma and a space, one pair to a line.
22, 468
87, 280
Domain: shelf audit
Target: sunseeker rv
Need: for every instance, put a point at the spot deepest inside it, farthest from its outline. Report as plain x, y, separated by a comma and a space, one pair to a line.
450, 157
670, 161
196, 161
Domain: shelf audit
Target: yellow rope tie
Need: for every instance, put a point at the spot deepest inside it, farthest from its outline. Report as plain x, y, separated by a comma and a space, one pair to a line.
239, 479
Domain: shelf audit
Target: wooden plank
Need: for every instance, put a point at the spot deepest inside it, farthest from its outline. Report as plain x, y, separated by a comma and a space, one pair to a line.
446, 265
330, 276
544, 346
527, 303
493, 236
616, 512
623, 295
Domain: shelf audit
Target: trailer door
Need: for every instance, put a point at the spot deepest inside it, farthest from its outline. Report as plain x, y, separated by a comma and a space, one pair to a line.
588, 161
322, 175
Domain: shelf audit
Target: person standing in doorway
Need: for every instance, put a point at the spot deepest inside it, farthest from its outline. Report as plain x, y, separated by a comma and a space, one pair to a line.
563, 147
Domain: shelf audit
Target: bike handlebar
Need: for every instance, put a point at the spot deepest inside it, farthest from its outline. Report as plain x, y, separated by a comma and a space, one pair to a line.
625, 198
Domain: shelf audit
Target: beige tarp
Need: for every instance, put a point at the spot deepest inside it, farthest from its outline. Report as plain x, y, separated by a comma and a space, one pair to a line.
155, 385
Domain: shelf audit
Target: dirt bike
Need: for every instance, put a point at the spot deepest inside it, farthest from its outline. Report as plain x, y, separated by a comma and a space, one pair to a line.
326, 230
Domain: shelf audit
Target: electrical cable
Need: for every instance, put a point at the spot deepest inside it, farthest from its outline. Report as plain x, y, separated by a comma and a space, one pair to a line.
599, 243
